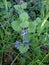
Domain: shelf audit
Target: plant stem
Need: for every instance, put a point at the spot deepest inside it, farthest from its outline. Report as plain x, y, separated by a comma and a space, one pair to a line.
14, 59
44, 59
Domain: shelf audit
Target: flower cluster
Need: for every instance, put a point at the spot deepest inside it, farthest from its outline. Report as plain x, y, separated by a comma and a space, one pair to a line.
17, 43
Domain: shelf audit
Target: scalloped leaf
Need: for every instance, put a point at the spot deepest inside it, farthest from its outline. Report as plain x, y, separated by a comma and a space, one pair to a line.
23, 48
23, 17
15, 26
24, 24
32, 27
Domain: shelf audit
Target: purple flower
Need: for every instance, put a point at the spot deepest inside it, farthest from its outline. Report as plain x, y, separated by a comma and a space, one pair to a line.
17, 44
26, 41
24, 32
21, 1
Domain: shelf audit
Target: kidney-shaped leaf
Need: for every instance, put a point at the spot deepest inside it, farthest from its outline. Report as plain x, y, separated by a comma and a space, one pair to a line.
24, 24
23, 17
32, 27
23, 48
15, 26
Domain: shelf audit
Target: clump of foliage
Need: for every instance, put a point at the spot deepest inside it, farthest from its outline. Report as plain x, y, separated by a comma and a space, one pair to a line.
24, 30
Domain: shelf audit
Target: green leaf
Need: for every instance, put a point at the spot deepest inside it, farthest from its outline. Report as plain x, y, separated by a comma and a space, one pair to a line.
38, 21
23, 17
23, 5
32, 27
24, 24
39, 30
18, 9
1, 5
5, 4
9, 4
23, 48
22, 61
27, 36
34, 42
7, 14
37, 51
15, 26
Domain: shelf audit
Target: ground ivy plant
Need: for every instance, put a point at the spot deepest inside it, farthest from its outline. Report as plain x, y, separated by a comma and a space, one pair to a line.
25, 26
24, 32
